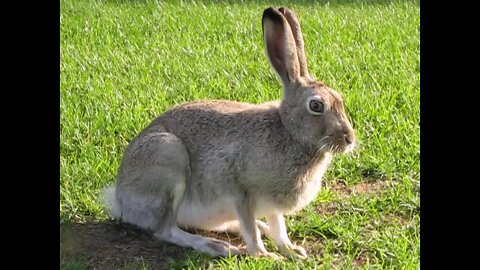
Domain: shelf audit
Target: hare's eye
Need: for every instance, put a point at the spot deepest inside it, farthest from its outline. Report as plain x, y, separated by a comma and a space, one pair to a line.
316, 106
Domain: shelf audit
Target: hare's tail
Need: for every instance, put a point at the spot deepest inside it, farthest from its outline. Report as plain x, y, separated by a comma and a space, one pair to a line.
109, 201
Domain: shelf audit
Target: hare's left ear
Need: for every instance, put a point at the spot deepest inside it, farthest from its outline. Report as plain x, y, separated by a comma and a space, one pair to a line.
280, 46
297, 35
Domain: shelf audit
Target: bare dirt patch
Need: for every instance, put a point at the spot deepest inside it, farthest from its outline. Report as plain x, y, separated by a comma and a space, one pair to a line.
343, 191
326, 209
340, 188
362, 259
370, 187
398, 219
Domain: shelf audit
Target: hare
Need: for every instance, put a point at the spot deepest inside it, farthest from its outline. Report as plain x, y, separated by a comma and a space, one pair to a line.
222, 165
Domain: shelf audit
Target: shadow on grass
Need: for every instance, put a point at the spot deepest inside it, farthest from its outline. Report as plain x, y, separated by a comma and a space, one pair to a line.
115, 245
112, 245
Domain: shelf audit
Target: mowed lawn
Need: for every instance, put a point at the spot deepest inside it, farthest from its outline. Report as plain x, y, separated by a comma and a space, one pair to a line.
123, 63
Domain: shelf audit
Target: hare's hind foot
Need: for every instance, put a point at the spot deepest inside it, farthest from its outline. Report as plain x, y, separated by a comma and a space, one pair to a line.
210, 246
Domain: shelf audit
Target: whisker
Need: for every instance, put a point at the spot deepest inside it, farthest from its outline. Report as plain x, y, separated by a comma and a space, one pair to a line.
322, 147
324, 138
324, 144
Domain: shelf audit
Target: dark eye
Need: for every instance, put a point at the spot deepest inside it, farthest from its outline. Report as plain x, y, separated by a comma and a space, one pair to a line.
316, 106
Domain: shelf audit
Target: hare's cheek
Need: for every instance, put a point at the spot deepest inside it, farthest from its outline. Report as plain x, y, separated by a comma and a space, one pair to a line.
311, 125
333, 124
322, 127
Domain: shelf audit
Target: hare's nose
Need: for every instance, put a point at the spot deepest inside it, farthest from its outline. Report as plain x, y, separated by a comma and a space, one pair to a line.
348, 138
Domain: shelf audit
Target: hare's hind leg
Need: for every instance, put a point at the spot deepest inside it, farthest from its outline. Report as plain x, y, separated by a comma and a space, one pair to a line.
151, 187
152, 180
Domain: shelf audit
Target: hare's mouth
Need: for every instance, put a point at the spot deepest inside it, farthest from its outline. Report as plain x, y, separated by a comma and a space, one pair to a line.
335, 145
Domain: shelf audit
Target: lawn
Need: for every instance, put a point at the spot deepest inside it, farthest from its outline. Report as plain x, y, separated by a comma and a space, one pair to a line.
123, 63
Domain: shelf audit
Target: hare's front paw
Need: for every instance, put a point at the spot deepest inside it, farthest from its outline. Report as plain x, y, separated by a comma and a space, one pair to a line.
293, 251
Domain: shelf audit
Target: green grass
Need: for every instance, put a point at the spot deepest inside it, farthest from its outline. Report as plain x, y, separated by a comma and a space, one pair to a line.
123, 63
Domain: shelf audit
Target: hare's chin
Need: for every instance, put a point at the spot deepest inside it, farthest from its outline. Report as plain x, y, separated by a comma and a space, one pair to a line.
349, 148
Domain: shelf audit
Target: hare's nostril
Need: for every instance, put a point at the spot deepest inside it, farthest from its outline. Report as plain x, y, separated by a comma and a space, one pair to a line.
348, 138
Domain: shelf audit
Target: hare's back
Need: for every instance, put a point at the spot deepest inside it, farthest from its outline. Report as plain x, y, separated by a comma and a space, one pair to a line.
209, 126
221, 106
217, 115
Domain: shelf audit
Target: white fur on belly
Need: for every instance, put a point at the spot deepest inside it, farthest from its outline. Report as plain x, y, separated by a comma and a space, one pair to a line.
196, 215
219, 215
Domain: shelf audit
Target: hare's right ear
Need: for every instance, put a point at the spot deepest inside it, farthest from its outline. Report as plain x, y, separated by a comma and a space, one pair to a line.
280, 45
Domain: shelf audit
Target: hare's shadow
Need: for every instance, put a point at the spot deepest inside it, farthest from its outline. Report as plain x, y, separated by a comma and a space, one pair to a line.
114, 245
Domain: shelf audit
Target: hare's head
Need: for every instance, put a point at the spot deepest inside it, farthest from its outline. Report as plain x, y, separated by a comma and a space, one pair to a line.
312, 112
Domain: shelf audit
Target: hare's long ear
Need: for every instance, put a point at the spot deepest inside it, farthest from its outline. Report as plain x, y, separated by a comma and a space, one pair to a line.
297, 35
280, 45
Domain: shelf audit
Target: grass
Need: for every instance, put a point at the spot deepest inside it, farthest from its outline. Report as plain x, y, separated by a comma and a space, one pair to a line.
125, 62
